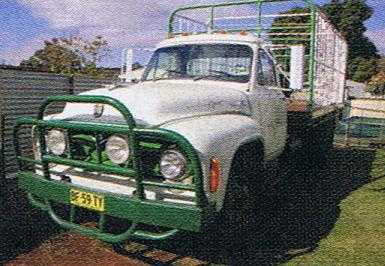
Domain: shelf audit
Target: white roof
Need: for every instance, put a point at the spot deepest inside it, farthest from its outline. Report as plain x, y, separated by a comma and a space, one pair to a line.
211, 38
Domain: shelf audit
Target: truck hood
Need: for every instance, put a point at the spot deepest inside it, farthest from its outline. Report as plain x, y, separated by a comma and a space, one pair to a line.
155, 103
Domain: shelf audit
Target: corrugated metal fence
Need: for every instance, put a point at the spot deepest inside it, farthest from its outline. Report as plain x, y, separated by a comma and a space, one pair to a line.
21, 94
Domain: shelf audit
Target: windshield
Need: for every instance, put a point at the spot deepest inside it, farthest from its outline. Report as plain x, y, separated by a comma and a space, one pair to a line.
228, 62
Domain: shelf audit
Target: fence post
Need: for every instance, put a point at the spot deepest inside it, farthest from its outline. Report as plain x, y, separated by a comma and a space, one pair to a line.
71, 81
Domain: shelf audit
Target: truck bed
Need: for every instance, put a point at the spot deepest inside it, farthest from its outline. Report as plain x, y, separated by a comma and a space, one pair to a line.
312, 126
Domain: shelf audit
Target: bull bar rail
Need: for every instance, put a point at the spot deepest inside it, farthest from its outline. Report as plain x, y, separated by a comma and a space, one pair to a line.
137, 208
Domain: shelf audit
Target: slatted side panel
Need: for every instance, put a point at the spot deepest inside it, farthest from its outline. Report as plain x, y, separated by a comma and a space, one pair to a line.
21, 94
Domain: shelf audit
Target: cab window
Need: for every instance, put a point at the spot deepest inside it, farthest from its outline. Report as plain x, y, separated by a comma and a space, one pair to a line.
266, 69
222, 62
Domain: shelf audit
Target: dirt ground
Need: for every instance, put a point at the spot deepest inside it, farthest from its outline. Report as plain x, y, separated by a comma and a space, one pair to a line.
74, 249
293, 218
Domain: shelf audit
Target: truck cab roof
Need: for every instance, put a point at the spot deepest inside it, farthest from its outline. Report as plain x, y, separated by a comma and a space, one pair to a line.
211, 38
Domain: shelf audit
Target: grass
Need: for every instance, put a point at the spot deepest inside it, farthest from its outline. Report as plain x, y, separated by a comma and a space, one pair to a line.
358, 236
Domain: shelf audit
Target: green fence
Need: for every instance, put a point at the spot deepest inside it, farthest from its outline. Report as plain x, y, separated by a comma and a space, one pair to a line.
361, 131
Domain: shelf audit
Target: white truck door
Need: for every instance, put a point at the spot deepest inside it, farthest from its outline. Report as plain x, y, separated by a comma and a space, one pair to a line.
270, 107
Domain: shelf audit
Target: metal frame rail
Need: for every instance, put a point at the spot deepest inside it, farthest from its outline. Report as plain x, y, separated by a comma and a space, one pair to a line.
138, 207
319, 57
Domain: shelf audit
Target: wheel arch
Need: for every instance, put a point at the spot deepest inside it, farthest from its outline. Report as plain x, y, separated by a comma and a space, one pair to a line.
251, 148
219, 136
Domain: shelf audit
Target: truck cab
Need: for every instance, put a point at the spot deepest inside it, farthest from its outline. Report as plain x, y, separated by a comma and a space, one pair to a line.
184, 143
224, 74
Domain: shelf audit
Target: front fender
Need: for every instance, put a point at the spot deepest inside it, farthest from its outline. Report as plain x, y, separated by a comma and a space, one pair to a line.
217, 136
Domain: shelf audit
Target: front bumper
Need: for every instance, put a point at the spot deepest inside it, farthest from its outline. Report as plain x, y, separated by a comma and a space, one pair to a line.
43, 191
175, 216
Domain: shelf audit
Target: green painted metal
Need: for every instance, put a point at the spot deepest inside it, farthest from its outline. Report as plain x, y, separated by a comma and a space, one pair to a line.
154, 134
171, 20
169, 185
363, 128
309, 28
138, 208
259, 26
294, 39
72, 213
312, 54
212, 6
177, 216
91, 166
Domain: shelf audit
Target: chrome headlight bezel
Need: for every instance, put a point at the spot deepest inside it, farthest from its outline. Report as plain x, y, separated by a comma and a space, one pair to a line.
118, 144
56, 141
173, 165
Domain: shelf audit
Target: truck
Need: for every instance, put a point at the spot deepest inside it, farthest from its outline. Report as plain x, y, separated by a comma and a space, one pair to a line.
234, 88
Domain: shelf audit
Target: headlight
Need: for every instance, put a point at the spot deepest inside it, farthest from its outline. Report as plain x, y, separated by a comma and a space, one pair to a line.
172, 164
117, 149
56, 142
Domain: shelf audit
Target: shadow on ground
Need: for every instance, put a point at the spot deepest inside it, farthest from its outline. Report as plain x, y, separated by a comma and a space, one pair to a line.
22, 228
294, 217
291, 220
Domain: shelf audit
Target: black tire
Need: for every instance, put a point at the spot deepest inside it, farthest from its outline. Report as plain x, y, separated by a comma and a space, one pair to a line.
239, 212
321, 142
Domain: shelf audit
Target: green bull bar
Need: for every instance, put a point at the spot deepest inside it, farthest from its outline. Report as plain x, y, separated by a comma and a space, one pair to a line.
42, 190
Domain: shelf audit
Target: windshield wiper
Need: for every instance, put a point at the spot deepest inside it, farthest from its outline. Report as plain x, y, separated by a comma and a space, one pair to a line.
163, 76
210, 75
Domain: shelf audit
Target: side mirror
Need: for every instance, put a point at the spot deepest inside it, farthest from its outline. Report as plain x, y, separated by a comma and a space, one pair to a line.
297, 67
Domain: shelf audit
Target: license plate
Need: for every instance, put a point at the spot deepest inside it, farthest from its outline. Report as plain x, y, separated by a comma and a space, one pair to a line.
87, 200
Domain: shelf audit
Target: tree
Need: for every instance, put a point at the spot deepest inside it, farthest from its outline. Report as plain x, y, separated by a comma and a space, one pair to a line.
381, 64
69, 56
376, 85
362, 69
348, 16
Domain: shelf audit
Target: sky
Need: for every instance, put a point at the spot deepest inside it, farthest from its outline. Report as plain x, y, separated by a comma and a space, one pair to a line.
25, 24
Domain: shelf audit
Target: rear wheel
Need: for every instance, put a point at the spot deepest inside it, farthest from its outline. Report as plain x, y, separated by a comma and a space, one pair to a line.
321, 141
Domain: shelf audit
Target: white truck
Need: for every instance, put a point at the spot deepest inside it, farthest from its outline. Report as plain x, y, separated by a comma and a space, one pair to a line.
215, 106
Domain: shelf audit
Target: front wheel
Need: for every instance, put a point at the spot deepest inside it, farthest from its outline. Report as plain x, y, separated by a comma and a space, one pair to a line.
244, 189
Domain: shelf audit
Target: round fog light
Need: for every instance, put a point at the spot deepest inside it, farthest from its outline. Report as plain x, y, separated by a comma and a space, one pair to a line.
117, 149
172, 164
56, 142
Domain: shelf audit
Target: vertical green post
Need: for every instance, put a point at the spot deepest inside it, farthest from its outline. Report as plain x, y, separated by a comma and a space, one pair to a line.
259, 26
102, 221
171, 23
211, 20
313, 21
98, 149
72, 213
43, 151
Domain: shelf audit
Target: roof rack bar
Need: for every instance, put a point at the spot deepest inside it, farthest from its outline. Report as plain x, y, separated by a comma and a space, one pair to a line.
312, 30
264, 16
212, 6
227, 4
191, 19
